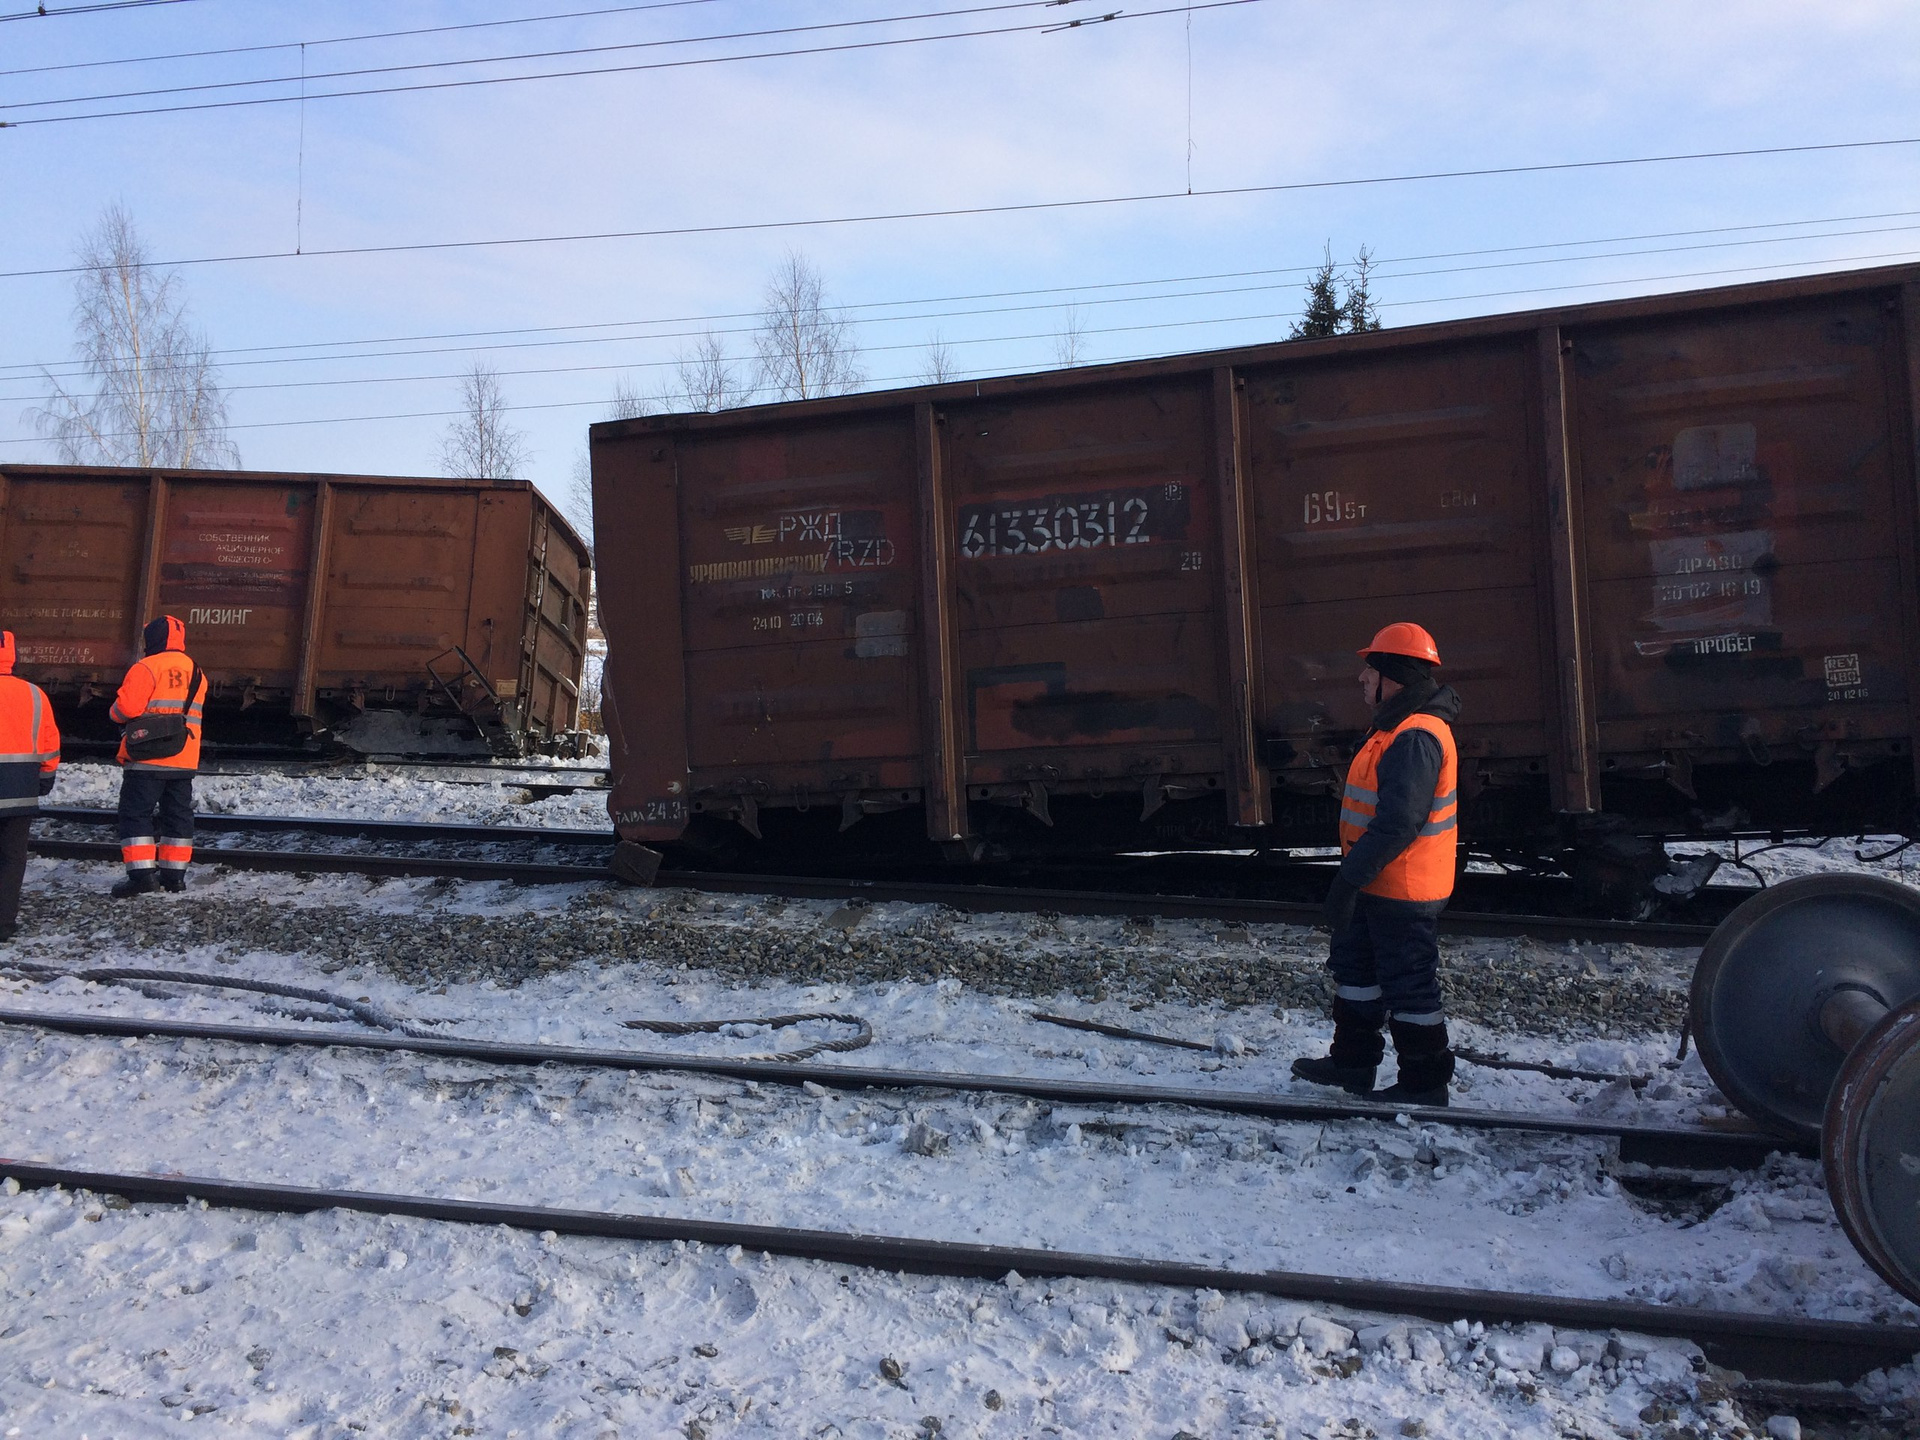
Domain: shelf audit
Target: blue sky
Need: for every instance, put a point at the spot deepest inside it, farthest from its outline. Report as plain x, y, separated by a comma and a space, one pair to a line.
1277, 92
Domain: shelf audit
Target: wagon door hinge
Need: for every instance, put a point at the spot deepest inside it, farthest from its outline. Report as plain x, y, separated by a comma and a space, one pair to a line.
1679, 768
1035, 803
1829, 764
747, 811
1153, 795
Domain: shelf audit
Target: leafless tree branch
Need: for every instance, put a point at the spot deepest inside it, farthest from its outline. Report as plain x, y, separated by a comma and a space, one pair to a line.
805, 348
480, 444
151, 396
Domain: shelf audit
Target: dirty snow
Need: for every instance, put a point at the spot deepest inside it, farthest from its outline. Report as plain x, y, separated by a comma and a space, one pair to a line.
126, 1321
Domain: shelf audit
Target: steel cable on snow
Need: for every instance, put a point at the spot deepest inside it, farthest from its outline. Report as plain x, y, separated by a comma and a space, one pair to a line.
361, 1010
859, 1040
370, 1014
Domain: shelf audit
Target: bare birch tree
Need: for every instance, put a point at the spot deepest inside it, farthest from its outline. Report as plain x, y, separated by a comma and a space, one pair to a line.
1070, 345
148, 394
628, 401
580, 492
805, 347
706, 379
480, 444
938, 363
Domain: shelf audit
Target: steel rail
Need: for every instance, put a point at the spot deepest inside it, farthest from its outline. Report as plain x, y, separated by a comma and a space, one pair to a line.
1684, 1147
977, 899
336, 862
1766, 1346
365, 829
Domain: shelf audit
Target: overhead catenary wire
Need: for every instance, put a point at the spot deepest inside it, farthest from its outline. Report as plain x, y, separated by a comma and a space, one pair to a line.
419, 87
1013, 207
351, 39
72, 369
46, 12
604, 49
602, 403
849, 309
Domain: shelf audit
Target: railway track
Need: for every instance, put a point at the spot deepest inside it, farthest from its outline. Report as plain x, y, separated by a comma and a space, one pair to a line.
1759, 1346
1687, 1147
453, 860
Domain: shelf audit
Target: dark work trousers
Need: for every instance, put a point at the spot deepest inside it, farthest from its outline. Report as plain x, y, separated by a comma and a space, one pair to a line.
13, 865
141, 841
1386, 961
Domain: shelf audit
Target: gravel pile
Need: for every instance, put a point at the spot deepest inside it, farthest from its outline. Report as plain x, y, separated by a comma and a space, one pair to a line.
1518, 987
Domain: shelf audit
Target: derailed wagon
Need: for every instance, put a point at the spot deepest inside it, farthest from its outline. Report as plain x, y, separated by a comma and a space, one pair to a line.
1667, 547
380, 614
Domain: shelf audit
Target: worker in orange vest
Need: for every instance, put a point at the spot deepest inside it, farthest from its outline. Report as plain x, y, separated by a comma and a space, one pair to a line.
1398, 837
29, 756
159, 711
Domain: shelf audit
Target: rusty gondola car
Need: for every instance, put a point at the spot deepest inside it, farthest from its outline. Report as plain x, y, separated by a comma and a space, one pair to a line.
372, 613
1667, 546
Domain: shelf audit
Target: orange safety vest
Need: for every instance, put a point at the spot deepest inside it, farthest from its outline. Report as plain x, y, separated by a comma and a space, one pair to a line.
157, 685
1424, 870
29, 742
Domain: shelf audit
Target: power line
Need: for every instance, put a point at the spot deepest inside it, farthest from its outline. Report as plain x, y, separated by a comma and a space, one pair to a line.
1125, 329
852, 306
43, 13
425, 85
69, 369
532, 55
351, 39
1015, 208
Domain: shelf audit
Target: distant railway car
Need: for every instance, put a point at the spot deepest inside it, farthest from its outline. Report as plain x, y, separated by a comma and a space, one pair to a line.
1667, 546
381, 614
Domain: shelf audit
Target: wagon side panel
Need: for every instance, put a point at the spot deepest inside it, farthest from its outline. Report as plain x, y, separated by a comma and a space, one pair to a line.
799, 567
399, 586
1740, 469
69, 577
1401, 486
234, 557
1086, 546
636, 526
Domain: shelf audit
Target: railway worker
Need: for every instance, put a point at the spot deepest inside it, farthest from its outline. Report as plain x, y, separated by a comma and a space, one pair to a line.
1397, 842
29, 756
158, 709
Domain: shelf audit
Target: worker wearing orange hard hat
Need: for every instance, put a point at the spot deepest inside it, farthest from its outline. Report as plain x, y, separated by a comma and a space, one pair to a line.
1398, 839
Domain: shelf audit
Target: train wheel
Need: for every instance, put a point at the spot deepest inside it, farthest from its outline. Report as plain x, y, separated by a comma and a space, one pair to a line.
1871, 1146
1791, 980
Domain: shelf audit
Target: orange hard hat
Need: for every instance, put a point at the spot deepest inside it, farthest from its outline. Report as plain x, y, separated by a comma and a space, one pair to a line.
1403, 638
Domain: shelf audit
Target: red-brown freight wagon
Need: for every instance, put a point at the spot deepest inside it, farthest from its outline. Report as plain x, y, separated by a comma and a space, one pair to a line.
382, 614
1667, 546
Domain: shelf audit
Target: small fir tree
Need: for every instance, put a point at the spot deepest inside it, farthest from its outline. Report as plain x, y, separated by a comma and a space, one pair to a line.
1328, 310
1326, 314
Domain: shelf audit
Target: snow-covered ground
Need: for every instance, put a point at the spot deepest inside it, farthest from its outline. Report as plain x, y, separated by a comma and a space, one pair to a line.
401, 793
127, 1321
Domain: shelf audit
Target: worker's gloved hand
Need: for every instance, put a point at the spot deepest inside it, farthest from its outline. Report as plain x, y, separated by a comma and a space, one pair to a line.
46, 784
1341, 899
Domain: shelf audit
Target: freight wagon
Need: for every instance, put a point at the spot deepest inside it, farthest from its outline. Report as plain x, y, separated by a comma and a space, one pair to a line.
379, 614
1667, 547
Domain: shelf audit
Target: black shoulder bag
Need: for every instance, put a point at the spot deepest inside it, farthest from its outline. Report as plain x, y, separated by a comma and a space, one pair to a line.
161, 737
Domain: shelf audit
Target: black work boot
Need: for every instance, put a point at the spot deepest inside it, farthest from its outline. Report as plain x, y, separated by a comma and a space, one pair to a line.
1325, 1070
1354, 1056
138, 882
173, 881
1426, 1065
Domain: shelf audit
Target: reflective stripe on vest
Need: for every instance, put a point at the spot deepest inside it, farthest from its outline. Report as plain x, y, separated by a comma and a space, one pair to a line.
20, 770
161, 703
1424, 870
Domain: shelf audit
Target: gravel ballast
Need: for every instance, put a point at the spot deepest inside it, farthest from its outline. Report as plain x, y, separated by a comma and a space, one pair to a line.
1518, 987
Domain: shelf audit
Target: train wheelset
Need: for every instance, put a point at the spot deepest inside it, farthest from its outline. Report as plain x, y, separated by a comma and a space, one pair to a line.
1806, 1009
